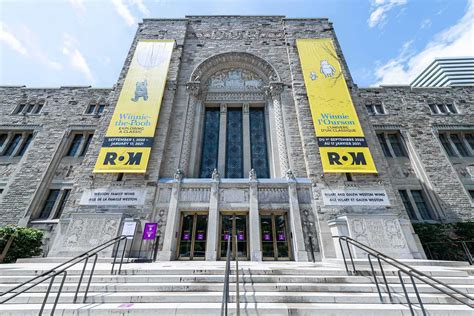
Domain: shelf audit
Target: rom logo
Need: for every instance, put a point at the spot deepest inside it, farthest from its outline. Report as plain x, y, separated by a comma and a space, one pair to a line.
129, 159
351, 158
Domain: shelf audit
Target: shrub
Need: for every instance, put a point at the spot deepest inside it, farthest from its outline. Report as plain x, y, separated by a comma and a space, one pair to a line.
442, 241
27, 243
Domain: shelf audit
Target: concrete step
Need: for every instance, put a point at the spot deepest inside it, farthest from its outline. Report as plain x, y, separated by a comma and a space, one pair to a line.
216, 287
244, 278
206, 309
245, 296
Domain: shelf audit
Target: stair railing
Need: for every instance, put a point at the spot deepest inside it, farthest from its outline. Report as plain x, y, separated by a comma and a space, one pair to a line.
62, 270
225, 292
402, 269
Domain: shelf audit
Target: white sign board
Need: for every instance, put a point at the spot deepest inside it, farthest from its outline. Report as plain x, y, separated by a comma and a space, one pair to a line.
358, 197
113, 196
128, 229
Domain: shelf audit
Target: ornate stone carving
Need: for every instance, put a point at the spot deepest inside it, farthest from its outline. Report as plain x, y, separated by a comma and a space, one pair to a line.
193, 88
234, 80
274, 90
215, 175
235, 96
273, 195
290, 175
233, 34
195, 195
252, 174
178, 175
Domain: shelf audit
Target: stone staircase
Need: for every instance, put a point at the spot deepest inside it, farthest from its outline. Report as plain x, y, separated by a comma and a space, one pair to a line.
195, 288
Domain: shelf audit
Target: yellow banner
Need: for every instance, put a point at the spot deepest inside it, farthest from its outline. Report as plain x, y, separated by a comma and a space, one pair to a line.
129, 138
341, 140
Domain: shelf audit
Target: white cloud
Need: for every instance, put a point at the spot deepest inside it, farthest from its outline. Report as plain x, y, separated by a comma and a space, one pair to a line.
36, 51
76, 59
78, 6
457, 40
380, 9
141, 6
11, 40
124, 12
426, 23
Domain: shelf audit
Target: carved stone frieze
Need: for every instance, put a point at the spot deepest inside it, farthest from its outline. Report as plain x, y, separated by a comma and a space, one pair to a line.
273, 195
231, 34
234, 80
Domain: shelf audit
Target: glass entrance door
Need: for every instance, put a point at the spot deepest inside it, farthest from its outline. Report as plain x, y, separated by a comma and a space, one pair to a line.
192, 240
234, 224
275, 237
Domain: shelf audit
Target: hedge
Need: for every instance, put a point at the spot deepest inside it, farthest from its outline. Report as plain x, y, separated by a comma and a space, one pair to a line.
442, 241
27, 243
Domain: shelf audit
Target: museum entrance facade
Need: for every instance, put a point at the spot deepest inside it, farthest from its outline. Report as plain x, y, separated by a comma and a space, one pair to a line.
192, 236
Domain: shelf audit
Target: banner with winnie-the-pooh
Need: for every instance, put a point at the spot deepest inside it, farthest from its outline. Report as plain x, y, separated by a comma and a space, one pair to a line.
129, 137
341, 140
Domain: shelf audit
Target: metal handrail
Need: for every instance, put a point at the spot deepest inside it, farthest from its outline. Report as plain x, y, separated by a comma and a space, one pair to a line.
61, 269
225, 292
463, 243
402, 268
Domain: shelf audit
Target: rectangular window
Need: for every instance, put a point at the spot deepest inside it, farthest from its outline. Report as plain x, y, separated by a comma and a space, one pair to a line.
62, 202
25, 145
370, 109
459, 145
384, 145
258, 143
441, 109
210, 142
471, 193
49, 204
446, 145
433, 108
90, 109
397, 146
86, 146
38, 108
3, 138
379, 109
75, 144
12, 145
20, 108
234, 144
469, 139
451, 108
406, 202
100, 108
421, 204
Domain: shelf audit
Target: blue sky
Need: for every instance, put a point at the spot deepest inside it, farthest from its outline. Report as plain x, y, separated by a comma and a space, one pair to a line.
50, 43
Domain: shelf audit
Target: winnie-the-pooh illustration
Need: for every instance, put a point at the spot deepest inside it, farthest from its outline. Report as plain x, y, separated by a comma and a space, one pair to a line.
141, 91
327, 69
313, 75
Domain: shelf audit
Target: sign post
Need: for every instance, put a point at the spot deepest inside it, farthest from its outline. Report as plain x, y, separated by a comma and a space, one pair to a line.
149, 233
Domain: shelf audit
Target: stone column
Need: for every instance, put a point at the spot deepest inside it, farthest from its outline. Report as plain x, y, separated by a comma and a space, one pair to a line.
213, 219
193, 90
254, 219
274, 90
222, 140
246, 138
299, 251
170, 238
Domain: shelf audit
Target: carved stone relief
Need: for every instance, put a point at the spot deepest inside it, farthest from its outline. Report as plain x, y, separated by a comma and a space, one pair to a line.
195, 195
273, 195
234, 196
234, 80
237, 34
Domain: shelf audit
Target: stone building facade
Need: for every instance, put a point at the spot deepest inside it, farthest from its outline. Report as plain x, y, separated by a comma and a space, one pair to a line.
231, 73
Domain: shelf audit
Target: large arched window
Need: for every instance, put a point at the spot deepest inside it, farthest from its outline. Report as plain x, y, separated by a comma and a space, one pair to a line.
234, 119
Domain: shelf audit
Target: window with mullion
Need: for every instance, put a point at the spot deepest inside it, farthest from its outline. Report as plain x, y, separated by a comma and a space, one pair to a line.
397, 145
234, 144
210, 142
75, 144
49, 204
25, 145
258, 143
421, 204
446, 145
408, 206
458, 143
384, 145
12, 145
469, 139
86, 145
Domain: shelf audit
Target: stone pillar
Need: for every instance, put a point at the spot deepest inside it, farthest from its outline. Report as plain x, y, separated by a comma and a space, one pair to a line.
299, 251
246, 138
254, 219
170, 238
193, 90
274, 90
222, 140
213, 219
